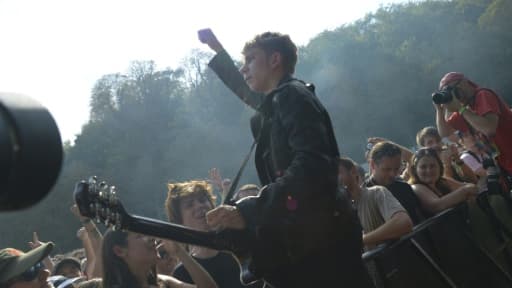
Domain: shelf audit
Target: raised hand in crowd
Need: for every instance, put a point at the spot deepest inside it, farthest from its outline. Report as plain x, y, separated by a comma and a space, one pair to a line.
92, 243
47, 261
91, 257
215, 179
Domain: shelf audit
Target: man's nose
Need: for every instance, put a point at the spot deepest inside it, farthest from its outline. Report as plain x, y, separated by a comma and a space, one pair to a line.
243, 69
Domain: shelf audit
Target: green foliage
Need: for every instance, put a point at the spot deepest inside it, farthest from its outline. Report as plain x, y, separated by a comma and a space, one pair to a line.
375, 76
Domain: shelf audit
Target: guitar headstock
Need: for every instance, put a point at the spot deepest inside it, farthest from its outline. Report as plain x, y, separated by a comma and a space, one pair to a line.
98, 201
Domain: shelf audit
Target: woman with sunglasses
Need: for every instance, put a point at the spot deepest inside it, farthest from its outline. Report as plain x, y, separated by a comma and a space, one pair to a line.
129, 261
436, 193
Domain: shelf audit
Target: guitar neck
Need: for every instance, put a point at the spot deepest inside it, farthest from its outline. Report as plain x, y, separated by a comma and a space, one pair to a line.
166, 230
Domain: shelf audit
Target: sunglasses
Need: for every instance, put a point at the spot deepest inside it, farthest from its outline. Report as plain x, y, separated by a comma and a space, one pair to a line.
425, 151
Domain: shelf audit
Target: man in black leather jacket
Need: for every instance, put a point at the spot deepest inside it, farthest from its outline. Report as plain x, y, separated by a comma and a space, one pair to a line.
307, 234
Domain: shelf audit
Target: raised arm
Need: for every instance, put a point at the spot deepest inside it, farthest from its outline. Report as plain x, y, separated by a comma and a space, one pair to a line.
47, 261
225, 68
95, 239
443, 127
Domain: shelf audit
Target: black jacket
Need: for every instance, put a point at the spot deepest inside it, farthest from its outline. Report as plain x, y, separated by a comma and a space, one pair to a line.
297, 159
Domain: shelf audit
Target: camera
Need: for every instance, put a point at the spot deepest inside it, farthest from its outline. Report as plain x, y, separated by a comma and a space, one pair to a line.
30, 152
443, 96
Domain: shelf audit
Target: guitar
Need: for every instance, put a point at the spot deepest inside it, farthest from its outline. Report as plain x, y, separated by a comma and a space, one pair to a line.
99, 201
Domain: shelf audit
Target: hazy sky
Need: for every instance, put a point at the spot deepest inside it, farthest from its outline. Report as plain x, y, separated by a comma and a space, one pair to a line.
55, 50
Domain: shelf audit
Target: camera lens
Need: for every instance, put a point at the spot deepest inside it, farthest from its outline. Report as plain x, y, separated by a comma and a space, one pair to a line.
30, 152
442, 97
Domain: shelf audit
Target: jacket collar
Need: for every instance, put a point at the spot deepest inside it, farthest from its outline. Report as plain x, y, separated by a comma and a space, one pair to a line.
267, 101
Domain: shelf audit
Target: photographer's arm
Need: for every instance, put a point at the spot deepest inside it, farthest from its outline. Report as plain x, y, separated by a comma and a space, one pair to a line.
486, 124
443, 127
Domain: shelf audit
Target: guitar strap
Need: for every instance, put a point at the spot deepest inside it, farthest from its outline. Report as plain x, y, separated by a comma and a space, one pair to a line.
230, 196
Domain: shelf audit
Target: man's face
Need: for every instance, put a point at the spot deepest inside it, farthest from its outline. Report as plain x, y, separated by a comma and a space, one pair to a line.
386, 170
69, 271
193, 209
257, 70
431, 142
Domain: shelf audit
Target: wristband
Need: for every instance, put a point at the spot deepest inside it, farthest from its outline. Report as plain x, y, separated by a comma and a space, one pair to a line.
462, 109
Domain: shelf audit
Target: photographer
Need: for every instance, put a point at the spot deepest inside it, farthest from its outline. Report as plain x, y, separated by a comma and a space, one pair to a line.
462, 105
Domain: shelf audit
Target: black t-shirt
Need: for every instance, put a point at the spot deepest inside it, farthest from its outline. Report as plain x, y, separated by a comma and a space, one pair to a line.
404, 194
223, 268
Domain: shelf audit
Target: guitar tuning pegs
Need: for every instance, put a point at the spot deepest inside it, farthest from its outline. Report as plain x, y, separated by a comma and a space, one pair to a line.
117, 221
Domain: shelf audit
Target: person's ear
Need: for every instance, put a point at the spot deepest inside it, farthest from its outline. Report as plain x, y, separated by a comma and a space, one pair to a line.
372, 164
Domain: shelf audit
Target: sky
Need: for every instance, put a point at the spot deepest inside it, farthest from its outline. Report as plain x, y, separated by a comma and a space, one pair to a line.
55, 50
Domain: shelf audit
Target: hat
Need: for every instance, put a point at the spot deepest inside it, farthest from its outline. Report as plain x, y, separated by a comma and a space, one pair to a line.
452, 77
14, 262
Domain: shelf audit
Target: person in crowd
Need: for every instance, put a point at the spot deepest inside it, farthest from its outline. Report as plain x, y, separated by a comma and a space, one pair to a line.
454, 167
381, 215
91, 241
296, 160
428, 136
385, 162
187, 204
436, 193
47, 261
68, 267
25, 270
479, 111
129, 260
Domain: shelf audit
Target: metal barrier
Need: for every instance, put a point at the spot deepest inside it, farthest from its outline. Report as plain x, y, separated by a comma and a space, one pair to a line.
419, 248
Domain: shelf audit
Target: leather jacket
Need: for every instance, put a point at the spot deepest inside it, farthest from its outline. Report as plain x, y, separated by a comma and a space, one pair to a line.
297, 159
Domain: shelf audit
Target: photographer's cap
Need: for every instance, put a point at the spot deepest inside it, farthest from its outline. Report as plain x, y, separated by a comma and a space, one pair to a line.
452, 77
14, 262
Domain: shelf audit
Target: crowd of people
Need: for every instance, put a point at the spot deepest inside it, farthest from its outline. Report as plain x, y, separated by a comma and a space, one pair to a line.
318, 211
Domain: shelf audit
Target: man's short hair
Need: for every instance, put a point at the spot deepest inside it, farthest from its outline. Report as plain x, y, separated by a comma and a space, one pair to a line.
428, 131
384, 149
178, 191
71, 261
271, 42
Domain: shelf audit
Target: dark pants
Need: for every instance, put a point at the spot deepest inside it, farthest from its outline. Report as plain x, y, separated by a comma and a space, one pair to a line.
339, 265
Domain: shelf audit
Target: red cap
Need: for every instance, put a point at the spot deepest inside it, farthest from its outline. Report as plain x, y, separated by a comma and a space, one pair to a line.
452, 77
